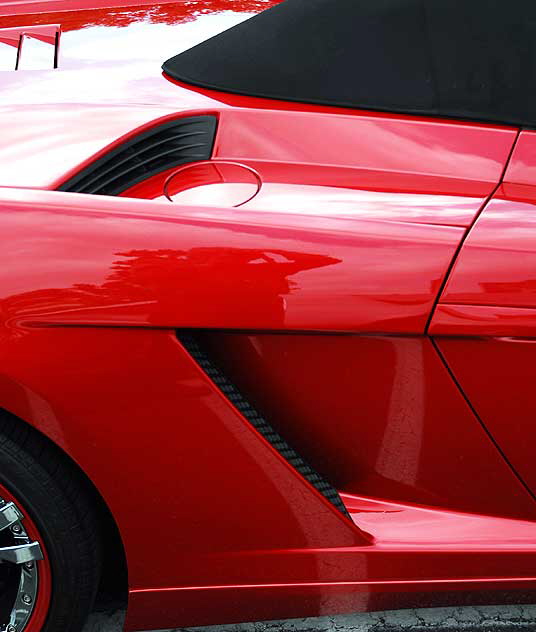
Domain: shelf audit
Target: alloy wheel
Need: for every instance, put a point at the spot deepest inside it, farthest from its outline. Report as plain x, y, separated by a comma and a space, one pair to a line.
25, 579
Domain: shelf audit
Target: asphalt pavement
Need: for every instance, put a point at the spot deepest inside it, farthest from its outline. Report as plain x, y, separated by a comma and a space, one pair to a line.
467, 619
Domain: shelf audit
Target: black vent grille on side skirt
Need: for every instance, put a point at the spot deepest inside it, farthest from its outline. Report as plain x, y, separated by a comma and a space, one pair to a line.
151, 152
195, 348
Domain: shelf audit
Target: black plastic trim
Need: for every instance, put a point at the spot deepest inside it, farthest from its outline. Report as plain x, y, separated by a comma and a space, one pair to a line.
164, 146
192, 343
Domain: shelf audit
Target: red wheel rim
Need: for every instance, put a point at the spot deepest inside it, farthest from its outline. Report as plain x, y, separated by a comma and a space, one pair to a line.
44, 590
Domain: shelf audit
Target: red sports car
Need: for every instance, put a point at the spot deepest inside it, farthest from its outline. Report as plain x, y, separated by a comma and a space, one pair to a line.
268, 316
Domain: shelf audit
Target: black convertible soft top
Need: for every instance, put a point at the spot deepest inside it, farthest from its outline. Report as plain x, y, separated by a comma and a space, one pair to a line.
469, 59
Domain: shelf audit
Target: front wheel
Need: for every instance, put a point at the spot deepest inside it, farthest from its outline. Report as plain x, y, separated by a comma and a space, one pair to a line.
49, 542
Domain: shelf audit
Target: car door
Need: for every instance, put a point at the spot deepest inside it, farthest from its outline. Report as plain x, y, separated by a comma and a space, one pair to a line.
485, 322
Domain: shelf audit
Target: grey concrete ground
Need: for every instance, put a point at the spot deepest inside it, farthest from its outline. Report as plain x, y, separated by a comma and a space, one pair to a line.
468, 619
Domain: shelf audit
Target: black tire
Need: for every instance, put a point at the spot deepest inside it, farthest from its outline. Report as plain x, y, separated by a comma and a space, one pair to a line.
53, 494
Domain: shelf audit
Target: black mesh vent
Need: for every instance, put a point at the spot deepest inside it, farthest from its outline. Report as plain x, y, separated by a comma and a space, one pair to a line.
160, 148
195, 348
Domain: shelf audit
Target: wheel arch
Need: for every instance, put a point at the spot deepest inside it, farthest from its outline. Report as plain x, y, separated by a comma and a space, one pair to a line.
114, 579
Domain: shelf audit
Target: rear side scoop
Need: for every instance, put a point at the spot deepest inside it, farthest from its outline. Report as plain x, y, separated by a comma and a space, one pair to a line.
396, 525
348, 164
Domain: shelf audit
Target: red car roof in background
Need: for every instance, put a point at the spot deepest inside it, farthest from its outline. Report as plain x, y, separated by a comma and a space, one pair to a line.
117, 12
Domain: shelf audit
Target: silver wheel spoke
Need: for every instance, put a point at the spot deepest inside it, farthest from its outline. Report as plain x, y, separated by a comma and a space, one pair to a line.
9, 514
25, 554
21, 554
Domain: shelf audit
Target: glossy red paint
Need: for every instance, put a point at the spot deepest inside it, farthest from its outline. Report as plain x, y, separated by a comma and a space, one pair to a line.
375, 167
496, 265
489, 307
134, 263
317, 191
211, 172
354, 231
440, 539
118, 90
18, 36
371, 413
395, 524
183, 402
497, 374
522, 165
263, 602
483, 320
325, 563
81, 13
387, 153
307, 567
116, 87
47, 33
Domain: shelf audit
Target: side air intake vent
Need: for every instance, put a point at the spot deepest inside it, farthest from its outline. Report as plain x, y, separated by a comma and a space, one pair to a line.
195, 348
160, 148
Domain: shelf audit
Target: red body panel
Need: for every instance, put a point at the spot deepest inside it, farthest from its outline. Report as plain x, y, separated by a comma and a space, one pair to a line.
498, 374
131, 262
136, 376
81, 13
289, 142
47, 34
378, 416
375, 167
489, 305
497, 263
317, 293
374, 153
521, 168
483, 320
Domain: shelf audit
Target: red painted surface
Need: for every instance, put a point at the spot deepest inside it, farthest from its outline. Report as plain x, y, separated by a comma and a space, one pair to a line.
358, 220
350, 179
442, 541
318, 191
395, 524
124, 262
191, 425
389, 153
522, 166
81, 13
107, 260
44, 595
497, 263
488, 312
47, 33
483, 320
498, 374
264, 602
104, 76
377, 167
116, 87
371, 413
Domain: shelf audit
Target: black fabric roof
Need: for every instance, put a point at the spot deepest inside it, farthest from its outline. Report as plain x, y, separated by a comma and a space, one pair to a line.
470, 59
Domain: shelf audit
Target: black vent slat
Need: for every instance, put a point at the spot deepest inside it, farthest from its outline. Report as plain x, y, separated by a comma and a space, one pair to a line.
135, 153
151, 152
195, 348
143, 164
